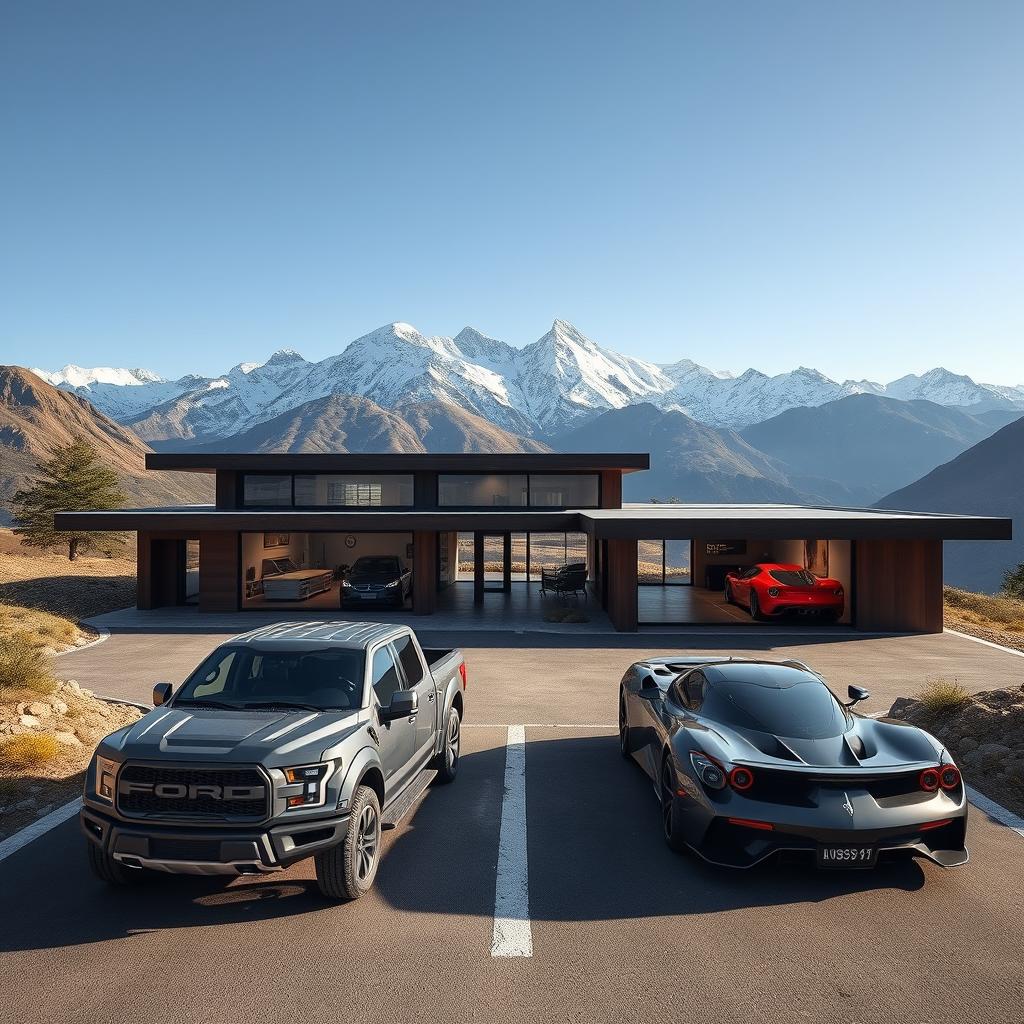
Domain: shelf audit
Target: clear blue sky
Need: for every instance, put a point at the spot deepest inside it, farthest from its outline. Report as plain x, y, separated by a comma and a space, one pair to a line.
186, 185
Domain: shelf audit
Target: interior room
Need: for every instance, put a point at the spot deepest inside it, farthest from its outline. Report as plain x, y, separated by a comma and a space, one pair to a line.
292, 570
674, 587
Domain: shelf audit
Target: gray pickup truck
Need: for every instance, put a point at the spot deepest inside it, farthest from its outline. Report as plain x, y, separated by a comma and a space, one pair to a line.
295, 740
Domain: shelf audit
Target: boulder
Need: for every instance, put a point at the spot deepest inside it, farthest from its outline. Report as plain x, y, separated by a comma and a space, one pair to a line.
39, 709
67, 737
59, 707
966, 744
29, 721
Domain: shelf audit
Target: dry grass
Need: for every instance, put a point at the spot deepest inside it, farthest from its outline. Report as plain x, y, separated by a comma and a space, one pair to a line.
24, 665
992, 617
33, 578
943, 696
28, 752
43, 628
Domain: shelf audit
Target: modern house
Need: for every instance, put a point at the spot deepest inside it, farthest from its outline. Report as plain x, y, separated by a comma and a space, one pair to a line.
493, 522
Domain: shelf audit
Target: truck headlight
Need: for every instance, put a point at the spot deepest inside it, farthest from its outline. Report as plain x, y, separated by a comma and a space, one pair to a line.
106, 778
305, 785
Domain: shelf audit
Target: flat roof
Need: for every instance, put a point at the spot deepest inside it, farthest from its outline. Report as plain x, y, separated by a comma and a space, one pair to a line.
786, 522
456, 462
632, 521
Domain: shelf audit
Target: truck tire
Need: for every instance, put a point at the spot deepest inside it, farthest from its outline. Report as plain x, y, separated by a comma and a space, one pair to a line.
108, 870
447, 762
347, 871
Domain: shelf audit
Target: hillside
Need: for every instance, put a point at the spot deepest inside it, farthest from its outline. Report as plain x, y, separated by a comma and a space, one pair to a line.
872, 443
987, 479
689, 460
335, 423
36, 417
443, 427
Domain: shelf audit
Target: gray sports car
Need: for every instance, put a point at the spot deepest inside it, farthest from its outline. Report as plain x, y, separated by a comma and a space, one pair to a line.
755, 758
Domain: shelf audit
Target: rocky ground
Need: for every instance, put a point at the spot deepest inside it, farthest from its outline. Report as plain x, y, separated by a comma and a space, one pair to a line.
77, 720
985, 734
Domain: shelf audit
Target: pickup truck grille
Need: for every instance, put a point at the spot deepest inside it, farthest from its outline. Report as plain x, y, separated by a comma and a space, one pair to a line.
150, 791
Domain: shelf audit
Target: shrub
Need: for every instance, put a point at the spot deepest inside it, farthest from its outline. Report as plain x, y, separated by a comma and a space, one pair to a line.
1013, 582
23, 666
27, 751
943, 696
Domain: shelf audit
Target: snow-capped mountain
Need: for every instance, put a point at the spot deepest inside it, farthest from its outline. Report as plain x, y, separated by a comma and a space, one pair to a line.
946, 388
80, 376
541, 390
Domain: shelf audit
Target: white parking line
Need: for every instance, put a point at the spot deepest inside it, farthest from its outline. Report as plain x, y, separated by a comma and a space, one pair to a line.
512, 935
12, 844
996, 811
984, 643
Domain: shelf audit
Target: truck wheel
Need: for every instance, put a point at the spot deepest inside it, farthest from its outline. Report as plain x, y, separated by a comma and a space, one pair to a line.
347, 871
108, 870
447, 762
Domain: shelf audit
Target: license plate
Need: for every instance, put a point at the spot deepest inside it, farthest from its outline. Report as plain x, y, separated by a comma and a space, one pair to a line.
368, 597
847, 856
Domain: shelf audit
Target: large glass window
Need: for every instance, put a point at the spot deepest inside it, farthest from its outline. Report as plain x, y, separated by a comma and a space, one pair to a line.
267, 489
354, 490
481, 490
569, 490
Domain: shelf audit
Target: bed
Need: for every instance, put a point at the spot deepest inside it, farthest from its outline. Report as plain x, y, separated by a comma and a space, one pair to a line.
283, 580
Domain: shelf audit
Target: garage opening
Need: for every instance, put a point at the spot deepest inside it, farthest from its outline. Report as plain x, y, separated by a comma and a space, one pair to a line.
351, 571
745, 581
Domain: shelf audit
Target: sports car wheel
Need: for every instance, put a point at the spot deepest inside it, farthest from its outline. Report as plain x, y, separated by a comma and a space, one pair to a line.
669, 817
755, 607
623, 728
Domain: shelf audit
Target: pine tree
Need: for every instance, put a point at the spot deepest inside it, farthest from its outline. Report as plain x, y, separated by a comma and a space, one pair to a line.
73, 479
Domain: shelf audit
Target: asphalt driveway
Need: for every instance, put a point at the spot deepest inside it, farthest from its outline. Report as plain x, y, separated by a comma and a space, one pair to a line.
622, 929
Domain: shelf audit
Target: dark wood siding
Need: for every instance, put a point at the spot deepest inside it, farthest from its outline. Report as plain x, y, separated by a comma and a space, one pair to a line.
227, 489
621, 573
611, 488
898, 585
424, 572
219, 571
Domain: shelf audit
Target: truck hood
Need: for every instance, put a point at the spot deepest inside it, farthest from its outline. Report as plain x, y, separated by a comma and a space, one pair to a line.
271, 738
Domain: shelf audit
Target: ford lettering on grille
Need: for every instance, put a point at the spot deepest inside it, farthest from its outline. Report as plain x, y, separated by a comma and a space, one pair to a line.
153, 792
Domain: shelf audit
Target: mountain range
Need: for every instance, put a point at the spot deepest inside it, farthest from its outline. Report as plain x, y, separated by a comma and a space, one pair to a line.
936, 441
542, 390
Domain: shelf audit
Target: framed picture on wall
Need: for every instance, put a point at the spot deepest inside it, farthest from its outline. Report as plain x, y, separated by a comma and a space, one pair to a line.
276, 540
816, 557
725, 547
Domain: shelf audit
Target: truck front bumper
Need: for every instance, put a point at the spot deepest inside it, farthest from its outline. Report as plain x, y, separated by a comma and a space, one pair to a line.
211, 851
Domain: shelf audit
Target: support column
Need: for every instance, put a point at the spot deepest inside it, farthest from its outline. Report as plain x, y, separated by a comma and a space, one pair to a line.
621, 576
424, 572
506, 551
478, 568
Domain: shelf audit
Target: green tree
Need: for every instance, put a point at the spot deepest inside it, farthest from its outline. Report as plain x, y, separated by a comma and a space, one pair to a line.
73, 479
1013, 582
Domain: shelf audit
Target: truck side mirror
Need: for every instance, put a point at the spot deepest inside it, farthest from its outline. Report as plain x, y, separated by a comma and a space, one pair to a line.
162, 693
404, 704
857, 694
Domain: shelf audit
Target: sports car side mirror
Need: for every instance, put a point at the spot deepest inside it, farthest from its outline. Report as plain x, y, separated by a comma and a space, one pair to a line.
857, 694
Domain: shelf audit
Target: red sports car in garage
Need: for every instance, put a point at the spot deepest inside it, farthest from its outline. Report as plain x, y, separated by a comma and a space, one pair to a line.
771, 589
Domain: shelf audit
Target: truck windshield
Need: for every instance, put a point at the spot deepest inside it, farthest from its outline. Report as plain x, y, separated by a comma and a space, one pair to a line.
242, 677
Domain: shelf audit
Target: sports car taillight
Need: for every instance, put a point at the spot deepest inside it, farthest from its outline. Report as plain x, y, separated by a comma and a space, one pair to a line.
928, 780
949, 776
741, 779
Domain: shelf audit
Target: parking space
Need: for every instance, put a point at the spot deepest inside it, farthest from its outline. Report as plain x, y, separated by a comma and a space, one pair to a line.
621, 928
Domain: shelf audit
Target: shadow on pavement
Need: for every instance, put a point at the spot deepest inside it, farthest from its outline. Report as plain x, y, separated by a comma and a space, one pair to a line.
594, 844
